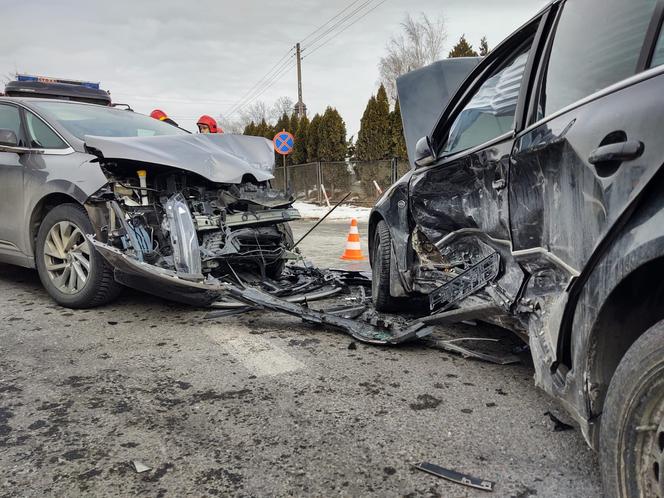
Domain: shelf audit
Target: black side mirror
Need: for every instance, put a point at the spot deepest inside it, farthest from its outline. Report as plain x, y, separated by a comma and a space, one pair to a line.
424, 154
8, 138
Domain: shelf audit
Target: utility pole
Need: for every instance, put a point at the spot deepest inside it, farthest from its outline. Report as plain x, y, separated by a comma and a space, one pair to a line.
301, 108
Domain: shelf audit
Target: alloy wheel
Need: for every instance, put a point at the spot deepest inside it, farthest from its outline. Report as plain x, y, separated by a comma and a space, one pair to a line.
67, 257
650, 447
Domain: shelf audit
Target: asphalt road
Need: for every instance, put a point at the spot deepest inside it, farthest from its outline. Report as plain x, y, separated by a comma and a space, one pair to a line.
258, 405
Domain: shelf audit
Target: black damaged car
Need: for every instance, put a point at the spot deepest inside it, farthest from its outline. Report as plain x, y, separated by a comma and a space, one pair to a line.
535, 202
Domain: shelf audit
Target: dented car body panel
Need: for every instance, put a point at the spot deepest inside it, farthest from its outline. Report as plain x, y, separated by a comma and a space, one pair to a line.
220, 158
568, 201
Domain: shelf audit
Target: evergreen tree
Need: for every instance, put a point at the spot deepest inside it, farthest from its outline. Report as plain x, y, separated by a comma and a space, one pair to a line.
312, 139
250, 129
299, 154
397, 139
373, 140
283, 124
363, 144
264, 130
332, 136
462, 49
484, 47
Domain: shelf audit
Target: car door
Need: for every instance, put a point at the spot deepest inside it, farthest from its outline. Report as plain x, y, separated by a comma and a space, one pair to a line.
11, 186
595, 142
460, 204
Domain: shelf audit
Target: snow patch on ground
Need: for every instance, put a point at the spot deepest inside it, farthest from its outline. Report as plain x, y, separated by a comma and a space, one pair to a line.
343, 212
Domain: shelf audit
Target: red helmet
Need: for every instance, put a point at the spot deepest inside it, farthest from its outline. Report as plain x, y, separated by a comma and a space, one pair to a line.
158, 114
209, 122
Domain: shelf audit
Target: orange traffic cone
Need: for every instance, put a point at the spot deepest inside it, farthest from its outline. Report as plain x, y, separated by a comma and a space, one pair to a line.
353, 250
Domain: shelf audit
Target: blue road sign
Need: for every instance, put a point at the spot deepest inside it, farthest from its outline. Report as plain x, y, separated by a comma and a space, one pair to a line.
283, 143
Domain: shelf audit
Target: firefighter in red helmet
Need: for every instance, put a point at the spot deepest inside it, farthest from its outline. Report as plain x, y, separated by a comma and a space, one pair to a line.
160, 115
207, 124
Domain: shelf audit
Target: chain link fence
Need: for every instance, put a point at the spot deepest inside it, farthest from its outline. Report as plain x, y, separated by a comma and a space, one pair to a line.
329, 182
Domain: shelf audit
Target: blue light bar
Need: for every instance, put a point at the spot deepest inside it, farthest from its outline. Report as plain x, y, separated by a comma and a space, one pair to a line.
45, 79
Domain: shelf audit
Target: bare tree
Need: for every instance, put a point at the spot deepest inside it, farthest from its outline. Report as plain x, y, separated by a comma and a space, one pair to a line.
255, 112
232, 125
420, 44
283, 105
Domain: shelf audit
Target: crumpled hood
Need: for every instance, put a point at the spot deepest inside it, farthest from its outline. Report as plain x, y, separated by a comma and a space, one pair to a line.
425, 93
220, 158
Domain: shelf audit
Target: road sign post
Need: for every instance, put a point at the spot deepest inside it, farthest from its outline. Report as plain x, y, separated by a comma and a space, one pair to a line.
283, 144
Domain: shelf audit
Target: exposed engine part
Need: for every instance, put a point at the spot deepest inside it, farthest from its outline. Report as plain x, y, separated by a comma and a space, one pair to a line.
182, 222
184, 240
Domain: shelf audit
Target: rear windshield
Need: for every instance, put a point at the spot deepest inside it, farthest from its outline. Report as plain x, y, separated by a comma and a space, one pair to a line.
81, 120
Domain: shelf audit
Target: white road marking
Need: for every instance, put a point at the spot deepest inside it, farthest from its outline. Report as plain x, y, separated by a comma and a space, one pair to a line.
258, 355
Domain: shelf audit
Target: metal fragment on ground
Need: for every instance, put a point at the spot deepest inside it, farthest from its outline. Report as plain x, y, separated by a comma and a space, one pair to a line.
140, 467
457, 477
452, 345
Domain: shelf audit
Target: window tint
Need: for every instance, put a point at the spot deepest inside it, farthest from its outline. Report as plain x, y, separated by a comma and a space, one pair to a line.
10, 119
597, 43
41, 136
490, 113
658, 57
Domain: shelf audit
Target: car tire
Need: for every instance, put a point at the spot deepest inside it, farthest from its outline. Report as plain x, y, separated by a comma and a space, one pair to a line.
73, 273
632, 423
381, 262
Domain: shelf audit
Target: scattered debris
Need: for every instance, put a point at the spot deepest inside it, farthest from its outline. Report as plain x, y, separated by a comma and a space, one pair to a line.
456, 477
452, 345
559, 425
140, 467
352, 346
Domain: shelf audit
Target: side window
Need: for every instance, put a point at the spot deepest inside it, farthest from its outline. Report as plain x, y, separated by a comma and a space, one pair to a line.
658, 56
490, 113
597, 43
40, 135
10, 119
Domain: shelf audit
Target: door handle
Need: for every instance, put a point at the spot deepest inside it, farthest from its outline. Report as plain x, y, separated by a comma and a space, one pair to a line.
619, 152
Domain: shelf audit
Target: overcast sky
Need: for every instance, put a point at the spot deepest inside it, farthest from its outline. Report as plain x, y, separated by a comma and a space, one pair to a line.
192, 58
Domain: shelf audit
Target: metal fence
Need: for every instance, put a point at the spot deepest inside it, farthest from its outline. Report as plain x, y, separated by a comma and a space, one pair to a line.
324, 182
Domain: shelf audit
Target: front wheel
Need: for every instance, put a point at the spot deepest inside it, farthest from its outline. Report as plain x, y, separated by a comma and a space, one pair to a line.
381, 259
73, 273
632, 430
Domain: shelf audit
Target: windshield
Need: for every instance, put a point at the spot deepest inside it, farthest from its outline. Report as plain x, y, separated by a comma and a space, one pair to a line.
81, 120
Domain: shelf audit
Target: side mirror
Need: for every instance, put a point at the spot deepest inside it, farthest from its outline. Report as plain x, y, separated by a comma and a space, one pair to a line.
8, 138
424, 154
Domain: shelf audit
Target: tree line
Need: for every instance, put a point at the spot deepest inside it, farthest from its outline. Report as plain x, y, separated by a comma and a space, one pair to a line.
381, 137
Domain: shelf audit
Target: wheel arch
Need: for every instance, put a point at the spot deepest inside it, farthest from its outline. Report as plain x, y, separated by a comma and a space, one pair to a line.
41, 209
632, 307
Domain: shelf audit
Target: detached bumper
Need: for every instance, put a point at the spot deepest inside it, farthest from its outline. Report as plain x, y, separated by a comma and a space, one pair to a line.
166, 283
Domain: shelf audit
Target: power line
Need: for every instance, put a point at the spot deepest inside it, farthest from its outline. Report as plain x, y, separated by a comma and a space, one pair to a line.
260, 83
340, 22
277, 66
328, 21
275, 78
315, 49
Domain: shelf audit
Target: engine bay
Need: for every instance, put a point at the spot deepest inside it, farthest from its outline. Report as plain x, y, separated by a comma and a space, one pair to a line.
177, 220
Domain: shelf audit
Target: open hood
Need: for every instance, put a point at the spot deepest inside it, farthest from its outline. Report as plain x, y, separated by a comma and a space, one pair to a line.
218, 158
425, 93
